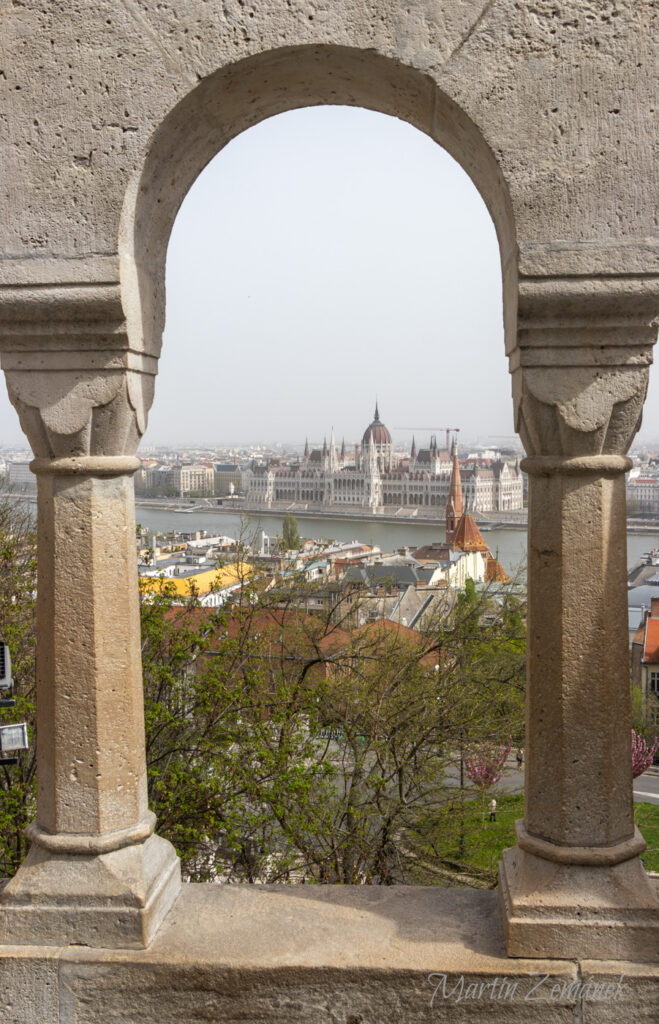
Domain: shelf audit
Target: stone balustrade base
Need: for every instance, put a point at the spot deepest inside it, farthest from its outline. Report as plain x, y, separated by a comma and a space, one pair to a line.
571, 910
351, 955
115, 899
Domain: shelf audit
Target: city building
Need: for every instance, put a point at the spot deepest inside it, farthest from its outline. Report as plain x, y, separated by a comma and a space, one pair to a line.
643, 494
21, 477
497, 486
464, 554
645, 660
227, 478
178, 477
197, 478
639, 601
375, 478
646, 567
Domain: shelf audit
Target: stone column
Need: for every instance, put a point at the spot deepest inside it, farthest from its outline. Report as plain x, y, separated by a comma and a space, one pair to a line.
96, 874
574, 885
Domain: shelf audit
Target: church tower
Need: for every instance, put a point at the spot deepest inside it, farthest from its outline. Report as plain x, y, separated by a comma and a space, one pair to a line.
455, 504
332, 453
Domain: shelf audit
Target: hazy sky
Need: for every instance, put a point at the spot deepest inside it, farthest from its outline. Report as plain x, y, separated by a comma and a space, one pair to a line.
327, 256
324, 257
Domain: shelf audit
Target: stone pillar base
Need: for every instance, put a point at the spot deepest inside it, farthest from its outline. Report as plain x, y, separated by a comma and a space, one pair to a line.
571, 909
110, 900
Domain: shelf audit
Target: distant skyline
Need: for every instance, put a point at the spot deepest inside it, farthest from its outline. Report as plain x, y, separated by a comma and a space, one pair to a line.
325, 257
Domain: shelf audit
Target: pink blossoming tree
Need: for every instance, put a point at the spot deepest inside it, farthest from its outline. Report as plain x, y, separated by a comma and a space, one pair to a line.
642, 754
485, 764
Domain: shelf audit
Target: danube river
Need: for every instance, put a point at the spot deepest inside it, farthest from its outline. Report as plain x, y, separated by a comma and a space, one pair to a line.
510, 544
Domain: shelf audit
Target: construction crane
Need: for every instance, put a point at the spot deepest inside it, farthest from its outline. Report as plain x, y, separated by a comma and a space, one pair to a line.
449, 430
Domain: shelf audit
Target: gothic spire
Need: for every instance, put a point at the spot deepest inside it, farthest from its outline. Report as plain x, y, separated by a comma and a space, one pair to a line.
306, 447
376, 418
332, 450
413, 452
455, 504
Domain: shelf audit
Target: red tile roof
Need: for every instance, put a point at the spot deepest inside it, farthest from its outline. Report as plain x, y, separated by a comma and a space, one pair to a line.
468, 537
651, 650
495, 572
431, 552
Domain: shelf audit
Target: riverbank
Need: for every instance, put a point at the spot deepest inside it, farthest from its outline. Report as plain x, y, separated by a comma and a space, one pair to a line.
508, 543
485, 521
209, 506
185, 507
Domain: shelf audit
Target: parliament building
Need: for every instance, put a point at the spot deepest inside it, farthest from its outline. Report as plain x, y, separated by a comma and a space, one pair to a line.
376, 479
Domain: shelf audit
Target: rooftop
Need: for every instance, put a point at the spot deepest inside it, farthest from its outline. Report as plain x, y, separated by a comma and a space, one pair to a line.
467, 535
202, 582
651, 649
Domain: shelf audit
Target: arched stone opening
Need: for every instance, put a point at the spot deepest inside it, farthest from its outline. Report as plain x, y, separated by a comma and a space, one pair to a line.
576, 427
239, 96
579, 334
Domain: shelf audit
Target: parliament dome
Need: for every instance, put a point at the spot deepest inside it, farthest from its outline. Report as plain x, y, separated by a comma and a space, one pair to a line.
376, 432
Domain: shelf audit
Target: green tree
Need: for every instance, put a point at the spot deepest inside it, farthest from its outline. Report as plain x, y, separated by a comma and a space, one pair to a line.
644, 712
290, 533
288, 745
18, 581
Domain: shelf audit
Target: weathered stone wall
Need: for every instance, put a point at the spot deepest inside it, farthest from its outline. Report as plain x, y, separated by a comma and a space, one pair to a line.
108, 111
561, 92
343, 954
111, 110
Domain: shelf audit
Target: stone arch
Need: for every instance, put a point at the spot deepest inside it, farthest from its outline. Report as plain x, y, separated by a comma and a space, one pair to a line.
239, 96
581, 182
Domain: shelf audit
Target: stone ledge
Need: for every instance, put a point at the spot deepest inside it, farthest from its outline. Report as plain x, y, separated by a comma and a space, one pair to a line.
349, 955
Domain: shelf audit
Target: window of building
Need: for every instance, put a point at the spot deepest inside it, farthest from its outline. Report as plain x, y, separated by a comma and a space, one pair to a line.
654, 682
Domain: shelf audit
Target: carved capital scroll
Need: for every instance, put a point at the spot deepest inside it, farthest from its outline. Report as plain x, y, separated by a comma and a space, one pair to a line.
581, 366
78, 411
78, 386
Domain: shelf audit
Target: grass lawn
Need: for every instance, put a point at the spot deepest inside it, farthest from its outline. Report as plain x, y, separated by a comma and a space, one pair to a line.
646, 817
436, 842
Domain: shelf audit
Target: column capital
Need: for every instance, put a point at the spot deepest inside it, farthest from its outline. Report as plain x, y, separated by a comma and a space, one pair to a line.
580, 369
70, 409
80, 388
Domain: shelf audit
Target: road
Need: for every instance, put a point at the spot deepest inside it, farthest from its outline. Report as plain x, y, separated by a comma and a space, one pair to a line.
646, 787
